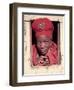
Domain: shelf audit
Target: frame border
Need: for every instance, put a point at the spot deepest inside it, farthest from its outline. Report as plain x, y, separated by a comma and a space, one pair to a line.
13, 44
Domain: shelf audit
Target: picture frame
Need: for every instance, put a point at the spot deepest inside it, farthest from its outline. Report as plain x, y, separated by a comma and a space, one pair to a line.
21, 72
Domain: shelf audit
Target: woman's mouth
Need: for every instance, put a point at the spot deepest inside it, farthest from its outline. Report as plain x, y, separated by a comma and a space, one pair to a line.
43, 50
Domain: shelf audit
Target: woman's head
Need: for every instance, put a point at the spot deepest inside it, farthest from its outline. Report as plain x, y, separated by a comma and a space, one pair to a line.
43, 28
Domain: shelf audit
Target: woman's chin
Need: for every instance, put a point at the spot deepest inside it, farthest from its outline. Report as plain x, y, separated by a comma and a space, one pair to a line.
43, 53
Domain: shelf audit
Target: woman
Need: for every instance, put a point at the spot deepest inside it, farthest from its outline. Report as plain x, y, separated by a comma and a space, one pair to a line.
45, 52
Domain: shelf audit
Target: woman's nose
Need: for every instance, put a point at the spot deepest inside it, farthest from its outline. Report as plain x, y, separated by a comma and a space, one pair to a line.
42, 45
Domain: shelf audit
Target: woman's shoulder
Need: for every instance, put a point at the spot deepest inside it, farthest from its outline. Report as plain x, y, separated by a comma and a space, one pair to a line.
53, 45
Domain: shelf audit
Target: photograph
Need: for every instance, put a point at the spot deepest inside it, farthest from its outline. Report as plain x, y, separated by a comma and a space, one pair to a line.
42, 52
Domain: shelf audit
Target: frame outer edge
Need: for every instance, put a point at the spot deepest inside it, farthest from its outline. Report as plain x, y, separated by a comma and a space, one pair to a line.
71, 34
12, 46
10, 43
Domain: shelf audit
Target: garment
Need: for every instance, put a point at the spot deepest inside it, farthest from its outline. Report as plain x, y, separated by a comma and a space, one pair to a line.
52, 56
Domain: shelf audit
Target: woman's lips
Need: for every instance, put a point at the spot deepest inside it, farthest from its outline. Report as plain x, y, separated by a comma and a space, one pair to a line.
43, 50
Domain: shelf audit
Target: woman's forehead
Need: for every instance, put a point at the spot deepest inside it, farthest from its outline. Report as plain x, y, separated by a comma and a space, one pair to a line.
43, 37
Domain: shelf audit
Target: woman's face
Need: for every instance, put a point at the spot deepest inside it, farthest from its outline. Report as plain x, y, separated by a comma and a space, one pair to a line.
43, 43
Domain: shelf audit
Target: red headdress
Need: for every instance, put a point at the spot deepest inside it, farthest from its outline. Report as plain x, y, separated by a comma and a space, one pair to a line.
42, 26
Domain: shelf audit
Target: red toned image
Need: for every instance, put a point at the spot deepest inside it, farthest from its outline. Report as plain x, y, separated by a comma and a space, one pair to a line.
44, 42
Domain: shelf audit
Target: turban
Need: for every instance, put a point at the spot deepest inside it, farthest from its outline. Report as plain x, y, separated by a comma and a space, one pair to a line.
42, 26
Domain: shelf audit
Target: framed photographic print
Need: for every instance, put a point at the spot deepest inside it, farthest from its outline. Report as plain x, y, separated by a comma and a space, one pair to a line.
40, 44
